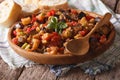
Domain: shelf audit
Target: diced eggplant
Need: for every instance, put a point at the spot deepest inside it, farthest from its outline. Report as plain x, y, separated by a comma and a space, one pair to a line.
63, 20
69, 10
81, 14
66, 15
61, 10
56, 15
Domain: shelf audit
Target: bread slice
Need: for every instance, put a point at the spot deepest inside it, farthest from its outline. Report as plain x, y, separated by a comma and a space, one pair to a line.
29, 7
31, 1
53, 4
9, 12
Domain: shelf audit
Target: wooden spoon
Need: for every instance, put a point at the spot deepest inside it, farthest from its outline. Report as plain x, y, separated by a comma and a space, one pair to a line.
81, 46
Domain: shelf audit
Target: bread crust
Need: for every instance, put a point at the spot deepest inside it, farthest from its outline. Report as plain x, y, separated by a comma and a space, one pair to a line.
12, 17
64, 5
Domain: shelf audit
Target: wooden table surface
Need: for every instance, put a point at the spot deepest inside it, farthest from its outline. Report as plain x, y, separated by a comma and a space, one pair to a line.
42, 72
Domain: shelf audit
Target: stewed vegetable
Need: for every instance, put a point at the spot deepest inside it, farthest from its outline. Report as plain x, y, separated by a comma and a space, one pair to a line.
48, 32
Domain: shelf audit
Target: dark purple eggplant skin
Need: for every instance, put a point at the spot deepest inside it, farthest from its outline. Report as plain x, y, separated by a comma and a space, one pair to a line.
81, 14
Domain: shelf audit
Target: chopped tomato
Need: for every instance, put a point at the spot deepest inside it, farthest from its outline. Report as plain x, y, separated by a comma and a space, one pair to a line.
89, 17
52, 12
33, 19
50, 36
14, 33
83, 33
74, 23
73, 11
49, 14
55, 38
33, 28
15, 40
54, 33
28, 30
55, 43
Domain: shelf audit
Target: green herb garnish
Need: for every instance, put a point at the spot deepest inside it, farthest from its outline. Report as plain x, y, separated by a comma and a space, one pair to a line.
56, 26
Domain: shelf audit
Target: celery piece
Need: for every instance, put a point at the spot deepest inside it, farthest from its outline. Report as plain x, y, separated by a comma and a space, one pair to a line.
24, 45
27, 47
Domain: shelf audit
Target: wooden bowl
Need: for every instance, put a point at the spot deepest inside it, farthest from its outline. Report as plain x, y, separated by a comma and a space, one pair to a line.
63, 58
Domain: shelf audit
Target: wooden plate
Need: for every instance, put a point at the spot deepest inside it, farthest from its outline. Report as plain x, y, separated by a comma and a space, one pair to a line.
63, 58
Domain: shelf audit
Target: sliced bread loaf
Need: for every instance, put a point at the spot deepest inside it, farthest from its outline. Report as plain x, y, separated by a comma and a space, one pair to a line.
9, 12
53, 4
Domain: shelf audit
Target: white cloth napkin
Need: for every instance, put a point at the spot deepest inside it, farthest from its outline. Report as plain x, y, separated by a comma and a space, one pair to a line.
101, 63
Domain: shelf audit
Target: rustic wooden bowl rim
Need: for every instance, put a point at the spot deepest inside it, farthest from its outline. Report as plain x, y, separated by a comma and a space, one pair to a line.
63, 58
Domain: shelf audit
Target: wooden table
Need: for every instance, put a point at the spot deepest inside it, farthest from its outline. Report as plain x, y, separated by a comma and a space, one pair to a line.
42, 72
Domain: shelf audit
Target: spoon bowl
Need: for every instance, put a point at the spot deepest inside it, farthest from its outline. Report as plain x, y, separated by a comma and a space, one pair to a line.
81, 46
77, 46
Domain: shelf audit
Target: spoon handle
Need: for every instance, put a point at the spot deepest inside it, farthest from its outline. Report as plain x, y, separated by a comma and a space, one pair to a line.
104, 20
